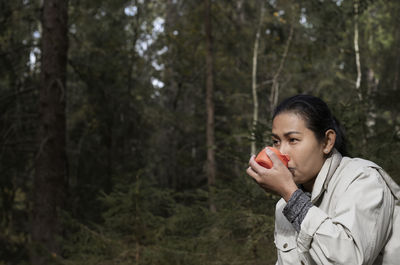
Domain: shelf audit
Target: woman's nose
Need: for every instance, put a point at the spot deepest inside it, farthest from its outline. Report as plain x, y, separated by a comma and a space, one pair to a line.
283, 149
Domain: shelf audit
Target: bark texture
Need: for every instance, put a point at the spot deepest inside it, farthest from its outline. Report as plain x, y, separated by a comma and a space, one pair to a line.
357, 52
210, 164
274, 95
254, 82
50, 183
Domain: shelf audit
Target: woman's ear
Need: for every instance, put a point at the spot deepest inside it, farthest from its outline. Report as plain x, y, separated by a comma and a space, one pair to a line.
330, 139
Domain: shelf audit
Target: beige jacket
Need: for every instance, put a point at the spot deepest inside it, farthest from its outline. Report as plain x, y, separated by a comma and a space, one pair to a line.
353, 221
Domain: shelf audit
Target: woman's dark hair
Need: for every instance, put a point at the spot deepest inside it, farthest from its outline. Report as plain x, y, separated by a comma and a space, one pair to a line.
317, 115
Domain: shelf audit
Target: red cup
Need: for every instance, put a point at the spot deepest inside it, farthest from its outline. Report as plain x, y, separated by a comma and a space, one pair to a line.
263, 159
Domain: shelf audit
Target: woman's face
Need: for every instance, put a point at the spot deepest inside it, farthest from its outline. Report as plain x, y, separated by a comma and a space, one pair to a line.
291, 136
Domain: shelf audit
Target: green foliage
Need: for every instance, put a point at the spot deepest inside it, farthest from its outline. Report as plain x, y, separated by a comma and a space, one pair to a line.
148, 225
136, 119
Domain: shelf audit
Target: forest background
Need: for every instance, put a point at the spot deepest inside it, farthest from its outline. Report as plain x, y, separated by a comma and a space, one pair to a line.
126, 126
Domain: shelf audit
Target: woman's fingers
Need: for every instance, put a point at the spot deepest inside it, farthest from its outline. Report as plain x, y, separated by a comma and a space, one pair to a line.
256, 171
253, 174
274, 180
255, 166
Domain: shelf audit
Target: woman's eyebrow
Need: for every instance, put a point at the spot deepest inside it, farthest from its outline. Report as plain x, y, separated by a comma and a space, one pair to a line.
290, 133
274, 135
286, 134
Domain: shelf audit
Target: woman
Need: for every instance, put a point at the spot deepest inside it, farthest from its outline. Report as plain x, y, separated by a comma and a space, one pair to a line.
334, 209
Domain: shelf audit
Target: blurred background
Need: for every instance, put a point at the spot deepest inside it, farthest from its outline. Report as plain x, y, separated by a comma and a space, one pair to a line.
126, 126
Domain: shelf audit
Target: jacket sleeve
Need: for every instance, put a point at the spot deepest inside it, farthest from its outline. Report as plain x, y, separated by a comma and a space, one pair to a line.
358, 228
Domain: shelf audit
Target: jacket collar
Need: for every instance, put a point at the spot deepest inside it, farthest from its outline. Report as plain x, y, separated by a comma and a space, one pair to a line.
325, 174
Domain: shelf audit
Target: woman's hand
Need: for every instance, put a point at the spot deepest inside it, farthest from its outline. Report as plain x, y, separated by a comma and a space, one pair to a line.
278, 179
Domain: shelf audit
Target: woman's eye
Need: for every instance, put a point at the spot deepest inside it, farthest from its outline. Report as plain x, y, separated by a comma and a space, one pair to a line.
275, 142
293, 140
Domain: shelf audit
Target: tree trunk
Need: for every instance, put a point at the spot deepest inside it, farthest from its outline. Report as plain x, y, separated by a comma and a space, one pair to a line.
357, 52
137, 220
274, 95
210, 164
240, 11
359, 76
50, 182
254, 83
169, 132
373, 83
397, 49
